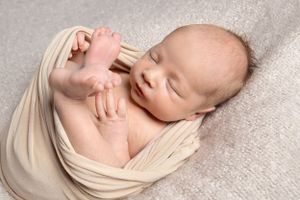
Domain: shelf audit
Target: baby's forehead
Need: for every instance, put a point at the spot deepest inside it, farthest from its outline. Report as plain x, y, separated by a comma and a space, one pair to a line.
199, 35
210, 43
207, 56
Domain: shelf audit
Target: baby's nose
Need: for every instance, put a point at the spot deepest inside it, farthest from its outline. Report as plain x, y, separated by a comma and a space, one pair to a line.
149, 77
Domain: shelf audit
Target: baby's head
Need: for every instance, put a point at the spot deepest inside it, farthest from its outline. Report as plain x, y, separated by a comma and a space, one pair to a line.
194, 69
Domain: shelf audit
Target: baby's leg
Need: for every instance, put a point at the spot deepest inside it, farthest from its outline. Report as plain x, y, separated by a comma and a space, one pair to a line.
104, 48
94, 75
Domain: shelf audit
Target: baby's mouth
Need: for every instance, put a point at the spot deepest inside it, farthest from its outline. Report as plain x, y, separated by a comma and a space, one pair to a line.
139, 91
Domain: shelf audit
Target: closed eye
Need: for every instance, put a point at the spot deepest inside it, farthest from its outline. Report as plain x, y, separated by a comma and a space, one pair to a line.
152, 58
172, 88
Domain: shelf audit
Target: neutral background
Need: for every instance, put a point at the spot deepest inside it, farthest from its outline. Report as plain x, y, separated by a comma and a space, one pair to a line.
250, 147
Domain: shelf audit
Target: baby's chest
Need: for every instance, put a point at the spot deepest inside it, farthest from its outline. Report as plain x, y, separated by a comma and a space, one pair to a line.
142, 127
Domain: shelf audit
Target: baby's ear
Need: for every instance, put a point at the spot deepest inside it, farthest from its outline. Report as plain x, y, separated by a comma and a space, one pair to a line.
200, 113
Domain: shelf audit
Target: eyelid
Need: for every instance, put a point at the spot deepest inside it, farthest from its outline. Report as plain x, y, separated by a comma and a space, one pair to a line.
151, 56
172, 87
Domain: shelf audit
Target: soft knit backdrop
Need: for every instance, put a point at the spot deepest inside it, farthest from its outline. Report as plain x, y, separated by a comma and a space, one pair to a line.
250, 147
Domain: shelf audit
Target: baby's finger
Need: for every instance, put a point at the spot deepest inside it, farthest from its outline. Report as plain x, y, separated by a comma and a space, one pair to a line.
100, 107
122, 112
70, 55
110, 103
108, 81
87, 38
80, 40
116, 79
75, 45
108, 85
85, 46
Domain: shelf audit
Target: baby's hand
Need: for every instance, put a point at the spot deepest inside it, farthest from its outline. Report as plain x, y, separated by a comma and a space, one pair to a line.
113, 123
81, 43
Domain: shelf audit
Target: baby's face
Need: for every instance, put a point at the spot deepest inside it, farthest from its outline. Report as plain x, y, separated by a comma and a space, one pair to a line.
173, 79
166, 81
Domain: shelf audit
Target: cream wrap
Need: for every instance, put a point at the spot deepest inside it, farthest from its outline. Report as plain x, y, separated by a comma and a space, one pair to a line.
39, 162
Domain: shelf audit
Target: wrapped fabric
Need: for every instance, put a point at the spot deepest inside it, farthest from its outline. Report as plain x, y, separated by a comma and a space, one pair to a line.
39, 162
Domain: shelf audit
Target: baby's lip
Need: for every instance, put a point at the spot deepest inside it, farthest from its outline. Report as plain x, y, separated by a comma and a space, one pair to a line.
139, 90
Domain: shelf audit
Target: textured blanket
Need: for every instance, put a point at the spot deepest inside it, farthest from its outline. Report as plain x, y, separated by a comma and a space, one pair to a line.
38, 161
250, 146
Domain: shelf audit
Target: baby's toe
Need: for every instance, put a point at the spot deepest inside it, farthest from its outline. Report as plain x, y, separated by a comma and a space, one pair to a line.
102, 31
108, 31
116, 36
95, 33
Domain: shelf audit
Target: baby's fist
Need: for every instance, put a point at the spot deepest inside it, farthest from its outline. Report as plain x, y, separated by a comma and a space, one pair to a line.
80, 43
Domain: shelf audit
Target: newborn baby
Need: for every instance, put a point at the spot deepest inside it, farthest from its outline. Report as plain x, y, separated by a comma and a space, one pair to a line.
105, 110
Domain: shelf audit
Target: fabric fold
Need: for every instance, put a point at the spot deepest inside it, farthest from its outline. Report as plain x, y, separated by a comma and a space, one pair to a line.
39, 162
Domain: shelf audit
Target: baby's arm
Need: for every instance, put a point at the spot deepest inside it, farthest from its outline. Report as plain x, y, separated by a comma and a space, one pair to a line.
82, 132
73, 84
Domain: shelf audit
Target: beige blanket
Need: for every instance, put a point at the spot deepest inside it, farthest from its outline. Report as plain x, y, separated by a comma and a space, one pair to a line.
38, 161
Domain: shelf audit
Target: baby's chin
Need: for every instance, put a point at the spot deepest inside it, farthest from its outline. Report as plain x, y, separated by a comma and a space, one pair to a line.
139, 104
135, 98
156, 115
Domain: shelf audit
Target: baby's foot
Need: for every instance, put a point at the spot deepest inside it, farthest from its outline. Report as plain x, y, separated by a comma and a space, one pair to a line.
113, 124
104, 48
94, 76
